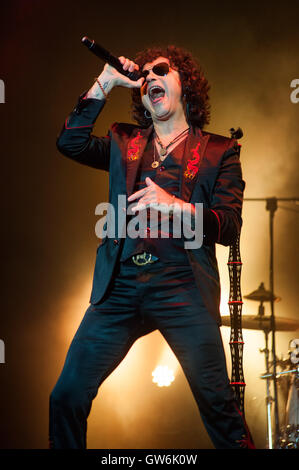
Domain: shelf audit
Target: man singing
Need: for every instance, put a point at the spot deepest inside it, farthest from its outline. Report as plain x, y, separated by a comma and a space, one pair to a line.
146, 283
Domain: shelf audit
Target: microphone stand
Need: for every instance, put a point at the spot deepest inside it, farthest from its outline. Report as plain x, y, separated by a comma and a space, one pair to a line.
271, 206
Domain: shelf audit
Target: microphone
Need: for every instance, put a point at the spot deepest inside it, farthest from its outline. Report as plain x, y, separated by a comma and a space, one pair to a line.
105, 55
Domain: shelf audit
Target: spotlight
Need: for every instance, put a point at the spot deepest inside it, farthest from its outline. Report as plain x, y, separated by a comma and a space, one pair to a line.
163, 376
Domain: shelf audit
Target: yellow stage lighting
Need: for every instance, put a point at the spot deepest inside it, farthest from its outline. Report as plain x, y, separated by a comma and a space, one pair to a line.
163, 376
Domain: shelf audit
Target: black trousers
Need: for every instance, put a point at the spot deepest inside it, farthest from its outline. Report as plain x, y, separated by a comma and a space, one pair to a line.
140, 300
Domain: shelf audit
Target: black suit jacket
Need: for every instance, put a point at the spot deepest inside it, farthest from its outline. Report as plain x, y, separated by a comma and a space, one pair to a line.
210, 174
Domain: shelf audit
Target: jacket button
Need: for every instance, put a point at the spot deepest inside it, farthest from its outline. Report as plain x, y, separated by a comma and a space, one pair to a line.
115, 242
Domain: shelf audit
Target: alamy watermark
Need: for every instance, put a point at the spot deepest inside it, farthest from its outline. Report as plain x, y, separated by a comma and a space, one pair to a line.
294, 96
156, 221
2, 92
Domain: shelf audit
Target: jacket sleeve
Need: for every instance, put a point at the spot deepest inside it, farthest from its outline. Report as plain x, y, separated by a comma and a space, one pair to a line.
76, 141
222, 221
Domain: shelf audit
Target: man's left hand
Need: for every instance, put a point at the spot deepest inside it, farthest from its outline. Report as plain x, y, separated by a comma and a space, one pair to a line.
152, 196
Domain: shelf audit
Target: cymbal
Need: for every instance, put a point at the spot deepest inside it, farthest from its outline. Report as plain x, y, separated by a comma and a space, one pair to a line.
258, 322
261, 294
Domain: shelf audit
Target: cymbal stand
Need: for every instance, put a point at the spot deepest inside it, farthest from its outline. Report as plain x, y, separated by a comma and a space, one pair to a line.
269, 398
271, 206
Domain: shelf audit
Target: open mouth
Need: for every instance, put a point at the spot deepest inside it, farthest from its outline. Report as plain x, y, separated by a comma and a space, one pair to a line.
156, 93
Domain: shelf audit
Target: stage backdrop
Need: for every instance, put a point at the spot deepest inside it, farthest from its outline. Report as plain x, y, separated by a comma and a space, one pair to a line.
250, 56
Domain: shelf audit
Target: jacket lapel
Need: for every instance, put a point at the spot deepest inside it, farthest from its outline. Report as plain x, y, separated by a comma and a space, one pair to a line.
135, 149
192, 159
195, 147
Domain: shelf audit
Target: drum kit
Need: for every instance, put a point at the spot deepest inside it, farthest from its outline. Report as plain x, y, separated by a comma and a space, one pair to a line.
286, 380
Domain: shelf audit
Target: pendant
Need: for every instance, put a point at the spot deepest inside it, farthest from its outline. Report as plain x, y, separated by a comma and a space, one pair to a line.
163, 152
155, 164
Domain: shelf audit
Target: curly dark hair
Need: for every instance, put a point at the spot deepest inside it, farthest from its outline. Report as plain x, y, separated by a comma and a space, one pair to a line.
195, 86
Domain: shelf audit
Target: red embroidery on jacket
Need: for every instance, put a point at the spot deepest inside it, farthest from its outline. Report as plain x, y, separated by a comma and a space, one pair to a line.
78, 127
134, 148
192, 164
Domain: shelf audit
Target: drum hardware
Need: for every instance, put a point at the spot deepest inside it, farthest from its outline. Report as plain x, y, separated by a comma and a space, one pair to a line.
269, 398
271, 207
292, 371
262, 295
264, 323
289, 435
258, 322
289, 438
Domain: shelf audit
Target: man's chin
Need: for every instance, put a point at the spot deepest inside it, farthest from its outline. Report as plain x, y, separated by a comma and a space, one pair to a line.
161, 114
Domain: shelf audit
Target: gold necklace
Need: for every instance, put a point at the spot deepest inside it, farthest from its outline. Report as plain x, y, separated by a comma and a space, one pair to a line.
155, 164
163, 150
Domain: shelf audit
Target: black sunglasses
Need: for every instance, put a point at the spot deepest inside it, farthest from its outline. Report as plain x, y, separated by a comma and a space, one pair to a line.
160, 69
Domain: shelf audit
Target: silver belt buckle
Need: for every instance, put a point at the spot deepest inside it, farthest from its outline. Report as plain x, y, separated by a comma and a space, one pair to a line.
142, 259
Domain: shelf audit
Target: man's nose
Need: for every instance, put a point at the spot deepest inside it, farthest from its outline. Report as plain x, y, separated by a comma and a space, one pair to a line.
150, 76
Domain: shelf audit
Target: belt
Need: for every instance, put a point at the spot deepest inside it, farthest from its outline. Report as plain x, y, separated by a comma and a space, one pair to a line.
144, 258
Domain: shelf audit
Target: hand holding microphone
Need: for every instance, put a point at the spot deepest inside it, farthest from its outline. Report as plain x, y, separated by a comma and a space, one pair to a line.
119, 79
117, 72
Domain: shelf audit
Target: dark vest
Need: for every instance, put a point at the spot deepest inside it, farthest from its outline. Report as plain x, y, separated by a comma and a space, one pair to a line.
167, 176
